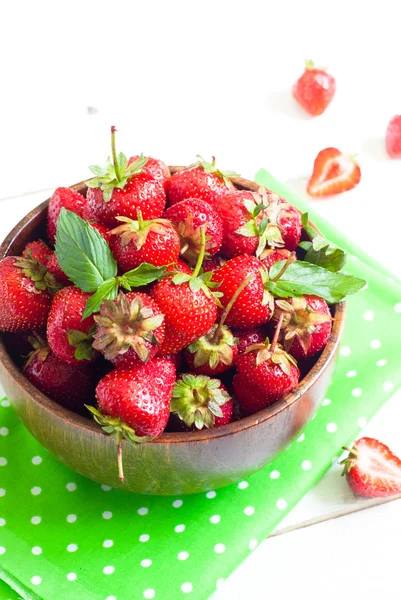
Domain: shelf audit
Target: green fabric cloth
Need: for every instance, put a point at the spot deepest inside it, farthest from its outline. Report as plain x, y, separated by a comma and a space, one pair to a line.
65, 537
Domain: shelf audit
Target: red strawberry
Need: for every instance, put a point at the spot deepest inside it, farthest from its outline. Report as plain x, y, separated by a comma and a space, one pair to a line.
156, 168
213, 263
135, 242
130, 329
182, 267
201, 180
69, 385
24, 296
265, 374
188, 313
251, 308
201, 402
63, 198
372, 470
216, 351
37, 250
393, 137
135, 403
248, 337
102, 229
252, 221
119, 190
333, 173
273, 255
314, 90
68, 335
187, 304
306, 325
189, 216
177, 360
54, 268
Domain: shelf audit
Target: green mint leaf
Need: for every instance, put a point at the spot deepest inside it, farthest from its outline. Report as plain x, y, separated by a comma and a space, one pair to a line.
320, 251
302, 277
142, 275
83, 253
305, 245
107, 291
330, 257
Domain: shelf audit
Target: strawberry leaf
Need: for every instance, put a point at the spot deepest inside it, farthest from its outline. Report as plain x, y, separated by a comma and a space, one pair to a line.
142, 275
302, 277
320, 251
83, 253
107, 291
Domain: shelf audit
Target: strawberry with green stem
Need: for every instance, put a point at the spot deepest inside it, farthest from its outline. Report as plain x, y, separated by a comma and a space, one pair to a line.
252, 306
189, 216
155, 168
25, 293
315, 89
265, 374
129, 329
134, 404
306, 324
216, 351
70, 336
201, 402
200, 180
155, 242
39, 251
188, 304
69, 385
120, 189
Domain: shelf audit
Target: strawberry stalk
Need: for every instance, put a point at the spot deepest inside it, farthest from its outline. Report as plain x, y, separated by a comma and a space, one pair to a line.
229, 306
120, 456
287, 263
276, 333
201, 256
114, 153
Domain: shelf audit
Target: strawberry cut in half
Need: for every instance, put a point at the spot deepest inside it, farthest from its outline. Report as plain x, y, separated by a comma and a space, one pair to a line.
372, 470
334, 172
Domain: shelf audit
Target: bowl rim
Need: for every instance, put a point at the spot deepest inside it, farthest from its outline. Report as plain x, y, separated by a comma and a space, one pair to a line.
232, 428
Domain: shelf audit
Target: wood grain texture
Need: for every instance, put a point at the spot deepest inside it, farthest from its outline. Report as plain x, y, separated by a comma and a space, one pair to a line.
176, 463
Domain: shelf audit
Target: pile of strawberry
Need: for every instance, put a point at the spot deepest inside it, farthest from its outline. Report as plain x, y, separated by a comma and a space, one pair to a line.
177, 301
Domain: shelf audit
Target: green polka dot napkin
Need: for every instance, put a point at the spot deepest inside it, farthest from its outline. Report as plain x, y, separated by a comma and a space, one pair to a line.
65, 537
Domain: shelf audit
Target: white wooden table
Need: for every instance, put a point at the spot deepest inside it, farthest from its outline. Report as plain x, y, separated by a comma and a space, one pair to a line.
179, 79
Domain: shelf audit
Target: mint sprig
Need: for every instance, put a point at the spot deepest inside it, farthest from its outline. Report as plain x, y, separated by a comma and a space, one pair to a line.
320, 251
86, 259
301, 278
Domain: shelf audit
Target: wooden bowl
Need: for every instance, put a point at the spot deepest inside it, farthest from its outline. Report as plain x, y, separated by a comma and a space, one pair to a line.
176, 463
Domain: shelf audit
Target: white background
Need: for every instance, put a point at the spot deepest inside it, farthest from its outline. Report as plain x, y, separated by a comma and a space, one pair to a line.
182, 78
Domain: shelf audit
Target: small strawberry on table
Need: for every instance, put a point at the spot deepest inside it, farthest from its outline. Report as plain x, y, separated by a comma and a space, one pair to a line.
314, 90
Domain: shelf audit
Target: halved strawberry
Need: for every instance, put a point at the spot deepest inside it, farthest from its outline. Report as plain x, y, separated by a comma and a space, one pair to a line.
334, 172
372, 470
